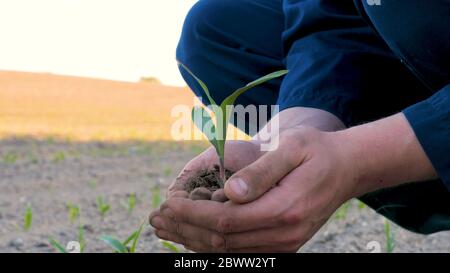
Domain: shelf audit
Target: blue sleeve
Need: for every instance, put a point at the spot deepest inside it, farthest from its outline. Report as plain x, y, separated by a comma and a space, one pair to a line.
430, 120
334, 59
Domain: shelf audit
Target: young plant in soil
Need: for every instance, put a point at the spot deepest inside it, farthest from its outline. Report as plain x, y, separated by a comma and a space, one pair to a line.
156, 197
28, 218
390, 241
80, 239
130, 204
124, 247
102, 206
73, 211
169, 246
208, 181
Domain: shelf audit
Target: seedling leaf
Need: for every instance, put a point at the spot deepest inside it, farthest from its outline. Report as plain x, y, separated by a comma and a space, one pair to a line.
136, 238
57, 245
390, 241
200, 82
170, 246
114, 244
156, 197
222, 113
201, 119
28, 218
230, 100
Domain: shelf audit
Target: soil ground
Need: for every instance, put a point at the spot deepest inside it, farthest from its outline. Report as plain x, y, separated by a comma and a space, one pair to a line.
70, 140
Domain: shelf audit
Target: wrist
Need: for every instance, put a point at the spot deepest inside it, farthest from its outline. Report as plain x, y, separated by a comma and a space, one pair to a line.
382, 154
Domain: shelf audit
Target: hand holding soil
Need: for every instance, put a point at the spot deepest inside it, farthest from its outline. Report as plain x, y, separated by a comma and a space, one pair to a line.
277, 202
200, 178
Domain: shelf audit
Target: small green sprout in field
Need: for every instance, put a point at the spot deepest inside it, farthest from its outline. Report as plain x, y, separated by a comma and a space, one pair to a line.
123, 247
130, 204
58, 157
169, 246
73, 211
156, 197
102, 206
342, 211
28, 218
216, 132
80, 240
361, 205
390, 241
10, 158
57, 245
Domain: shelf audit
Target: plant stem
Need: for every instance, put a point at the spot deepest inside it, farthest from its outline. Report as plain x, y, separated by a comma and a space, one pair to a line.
222, 173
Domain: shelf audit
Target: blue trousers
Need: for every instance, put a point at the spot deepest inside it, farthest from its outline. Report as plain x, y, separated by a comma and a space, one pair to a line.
354, 58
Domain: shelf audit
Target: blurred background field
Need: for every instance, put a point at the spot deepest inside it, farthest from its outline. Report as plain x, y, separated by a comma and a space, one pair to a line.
84, 157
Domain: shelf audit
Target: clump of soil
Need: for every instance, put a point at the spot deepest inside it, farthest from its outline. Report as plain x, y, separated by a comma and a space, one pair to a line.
205, 185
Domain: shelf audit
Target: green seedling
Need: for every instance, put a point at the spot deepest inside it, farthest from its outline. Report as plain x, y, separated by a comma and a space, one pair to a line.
361, 205
57, 245
10, 158
58, 157
342, 211
216, 132
156, 197
123, 247
28, 218
130, 204
169, 246
73, 211
390, 241
81, 239
102, 206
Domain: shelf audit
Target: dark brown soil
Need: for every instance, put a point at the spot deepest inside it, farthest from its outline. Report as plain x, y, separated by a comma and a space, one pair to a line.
202, 186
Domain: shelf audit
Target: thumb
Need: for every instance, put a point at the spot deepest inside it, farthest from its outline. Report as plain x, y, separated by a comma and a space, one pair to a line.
253, 181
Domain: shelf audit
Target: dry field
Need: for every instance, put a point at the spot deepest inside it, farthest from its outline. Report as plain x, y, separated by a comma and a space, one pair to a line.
68, 140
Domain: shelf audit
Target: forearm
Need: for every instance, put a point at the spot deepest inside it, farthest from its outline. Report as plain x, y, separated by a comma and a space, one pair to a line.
383, 154
303, 116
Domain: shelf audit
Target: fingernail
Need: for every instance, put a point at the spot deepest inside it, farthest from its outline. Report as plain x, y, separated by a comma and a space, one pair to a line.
239, 187
157, 223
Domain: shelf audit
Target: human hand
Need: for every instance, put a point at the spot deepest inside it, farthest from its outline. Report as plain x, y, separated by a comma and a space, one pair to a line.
276, 204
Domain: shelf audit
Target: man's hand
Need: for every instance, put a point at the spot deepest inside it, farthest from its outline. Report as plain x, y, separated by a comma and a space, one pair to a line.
239, 154
277, 203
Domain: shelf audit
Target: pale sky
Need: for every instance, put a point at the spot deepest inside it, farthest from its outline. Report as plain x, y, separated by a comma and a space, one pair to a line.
111, 39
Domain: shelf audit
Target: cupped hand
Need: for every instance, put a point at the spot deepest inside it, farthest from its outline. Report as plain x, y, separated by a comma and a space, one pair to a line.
277, 202
238, 154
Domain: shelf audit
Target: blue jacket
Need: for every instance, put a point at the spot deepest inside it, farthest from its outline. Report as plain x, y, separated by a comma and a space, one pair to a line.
346, 58
361, 60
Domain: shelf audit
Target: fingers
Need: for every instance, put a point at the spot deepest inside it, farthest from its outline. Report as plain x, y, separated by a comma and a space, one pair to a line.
288, 235
201, 162
187, 233
228, 217
179, 194
189, 244
254, 180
